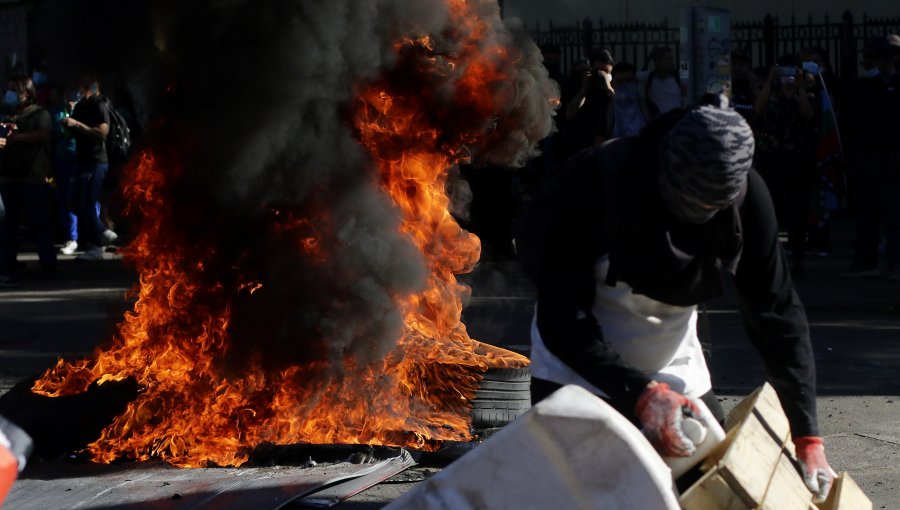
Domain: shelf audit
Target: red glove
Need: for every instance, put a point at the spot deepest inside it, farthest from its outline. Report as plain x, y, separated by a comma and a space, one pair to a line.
817, 474
661, 411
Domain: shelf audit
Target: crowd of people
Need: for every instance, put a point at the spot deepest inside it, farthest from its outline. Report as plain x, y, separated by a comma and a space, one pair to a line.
55, 157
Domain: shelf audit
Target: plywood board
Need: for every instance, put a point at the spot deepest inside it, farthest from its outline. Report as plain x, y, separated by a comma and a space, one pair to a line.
712, 492
846, 495
786, 489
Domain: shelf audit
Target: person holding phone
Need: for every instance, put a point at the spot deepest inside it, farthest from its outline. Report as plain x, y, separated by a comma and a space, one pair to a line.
23, 178
786, 128
89, 123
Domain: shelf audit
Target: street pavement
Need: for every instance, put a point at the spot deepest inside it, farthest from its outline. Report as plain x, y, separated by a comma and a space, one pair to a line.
855, 328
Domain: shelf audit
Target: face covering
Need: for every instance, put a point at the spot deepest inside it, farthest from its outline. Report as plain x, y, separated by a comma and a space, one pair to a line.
811, 67
11, 99
626, 92
38, 78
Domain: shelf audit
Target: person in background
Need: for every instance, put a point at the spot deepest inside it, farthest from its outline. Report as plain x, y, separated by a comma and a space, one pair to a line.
89, 124
786, 127
586, 111
663, 90
871, 142
42, 86
628, 114
65, 166
23, 178
745, 86
892, 179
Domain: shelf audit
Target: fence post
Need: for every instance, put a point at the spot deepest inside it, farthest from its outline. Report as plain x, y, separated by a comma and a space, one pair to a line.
587, 36
848, 58
769, 41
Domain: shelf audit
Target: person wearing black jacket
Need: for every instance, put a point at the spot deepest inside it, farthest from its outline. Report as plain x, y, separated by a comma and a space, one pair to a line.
625, 242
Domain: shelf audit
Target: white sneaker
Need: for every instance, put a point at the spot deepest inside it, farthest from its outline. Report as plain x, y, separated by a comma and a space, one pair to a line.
69, 248
109, 236
94, 253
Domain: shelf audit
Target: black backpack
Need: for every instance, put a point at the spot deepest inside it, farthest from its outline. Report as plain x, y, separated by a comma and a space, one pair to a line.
118, 141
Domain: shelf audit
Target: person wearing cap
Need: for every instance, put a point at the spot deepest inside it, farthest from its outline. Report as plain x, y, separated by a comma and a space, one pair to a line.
627, 239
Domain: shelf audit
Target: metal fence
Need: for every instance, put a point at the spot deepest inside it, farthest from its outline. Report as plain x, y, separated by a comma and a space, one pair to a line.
764, 40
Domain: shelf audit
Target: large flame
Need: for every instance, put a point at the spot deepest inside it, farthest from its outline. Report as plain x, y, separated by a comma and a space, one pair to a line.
196, 409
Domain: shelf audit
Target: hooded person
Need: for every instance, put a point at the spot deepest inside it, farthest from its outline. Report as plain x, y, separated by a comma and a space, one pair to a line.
624, 243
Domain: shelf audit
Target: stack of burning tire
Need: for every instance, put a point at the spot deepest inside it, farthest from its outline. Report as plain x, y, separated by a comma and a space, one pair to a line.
503, 396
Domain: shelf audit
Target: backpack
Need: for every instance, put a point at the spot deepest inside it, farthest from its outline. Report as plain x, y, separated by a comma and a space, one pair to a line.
119, 140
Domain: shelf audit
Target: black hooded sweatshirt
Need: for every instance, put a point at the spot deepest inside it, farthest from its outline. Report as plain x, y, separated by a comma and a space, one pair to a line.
605, 201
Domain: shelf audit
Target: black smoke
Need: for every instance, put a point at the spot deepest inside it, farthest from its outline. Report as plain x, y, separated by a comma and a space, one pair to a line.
256, 96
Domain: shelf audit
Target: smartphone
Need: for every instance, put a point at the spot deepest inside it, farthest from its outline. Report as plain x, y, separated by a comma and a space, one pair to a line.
6, 129
811, 67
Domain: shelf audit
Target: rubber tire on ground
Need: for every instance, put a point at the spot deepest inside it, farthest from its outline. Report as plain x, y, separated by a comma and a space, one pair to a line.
503, 396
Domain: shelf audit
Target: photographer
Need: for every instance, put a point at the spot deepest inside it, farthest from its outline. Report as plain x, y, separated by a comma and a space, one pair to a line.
586, 112
23, 177
786, 114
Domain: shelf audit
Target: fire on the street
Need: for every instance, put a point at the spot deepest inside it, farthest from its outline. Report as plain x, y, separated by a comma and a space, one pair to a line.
196, 407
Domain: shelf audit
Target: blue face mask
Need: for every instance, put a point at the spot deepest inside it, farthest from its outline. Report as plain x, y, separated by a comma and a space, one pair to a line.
811, 67
38, 78
11, 99
626, 91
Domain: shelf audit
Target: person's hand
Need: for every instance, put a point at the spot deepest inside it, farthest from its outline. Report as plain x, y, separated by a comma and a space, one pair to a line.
661, 412
817, 474
69, 122
2, 143
586, 82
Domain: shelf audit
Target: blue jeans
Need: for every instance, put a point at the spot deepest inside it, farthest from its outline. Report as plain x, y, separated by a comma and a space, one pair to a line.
90, 180
66, 174
33, 200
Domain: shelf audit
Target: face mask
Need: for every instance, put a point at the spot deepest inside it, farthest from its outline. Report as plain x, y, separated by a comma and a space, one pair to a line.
11, 99
626, 91
38, 78
872, 73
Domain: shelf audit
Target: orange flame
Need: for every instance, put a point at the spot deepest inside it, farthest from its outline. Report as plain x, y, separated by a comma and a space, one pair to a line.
195, 411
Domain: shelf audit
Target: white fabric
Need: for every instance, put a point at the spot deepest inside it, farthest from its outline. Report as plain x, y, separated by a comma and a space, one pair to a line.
655, 338
665, 93
571, 451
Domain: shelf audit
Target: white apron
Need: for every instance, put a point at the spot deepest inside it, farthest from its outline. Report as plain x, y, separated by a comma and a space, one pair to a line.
656, 338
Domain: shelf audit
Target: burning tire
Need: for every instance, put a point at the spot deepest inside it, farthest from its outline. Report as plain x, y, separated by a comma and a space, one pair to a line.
503, 396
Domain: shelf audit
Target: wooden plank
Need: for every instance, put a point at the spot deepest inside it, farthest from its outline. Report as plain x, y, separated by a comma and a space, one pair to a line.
846, 495
712, 492
741, 411
786, 489
765, 402
750, 461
